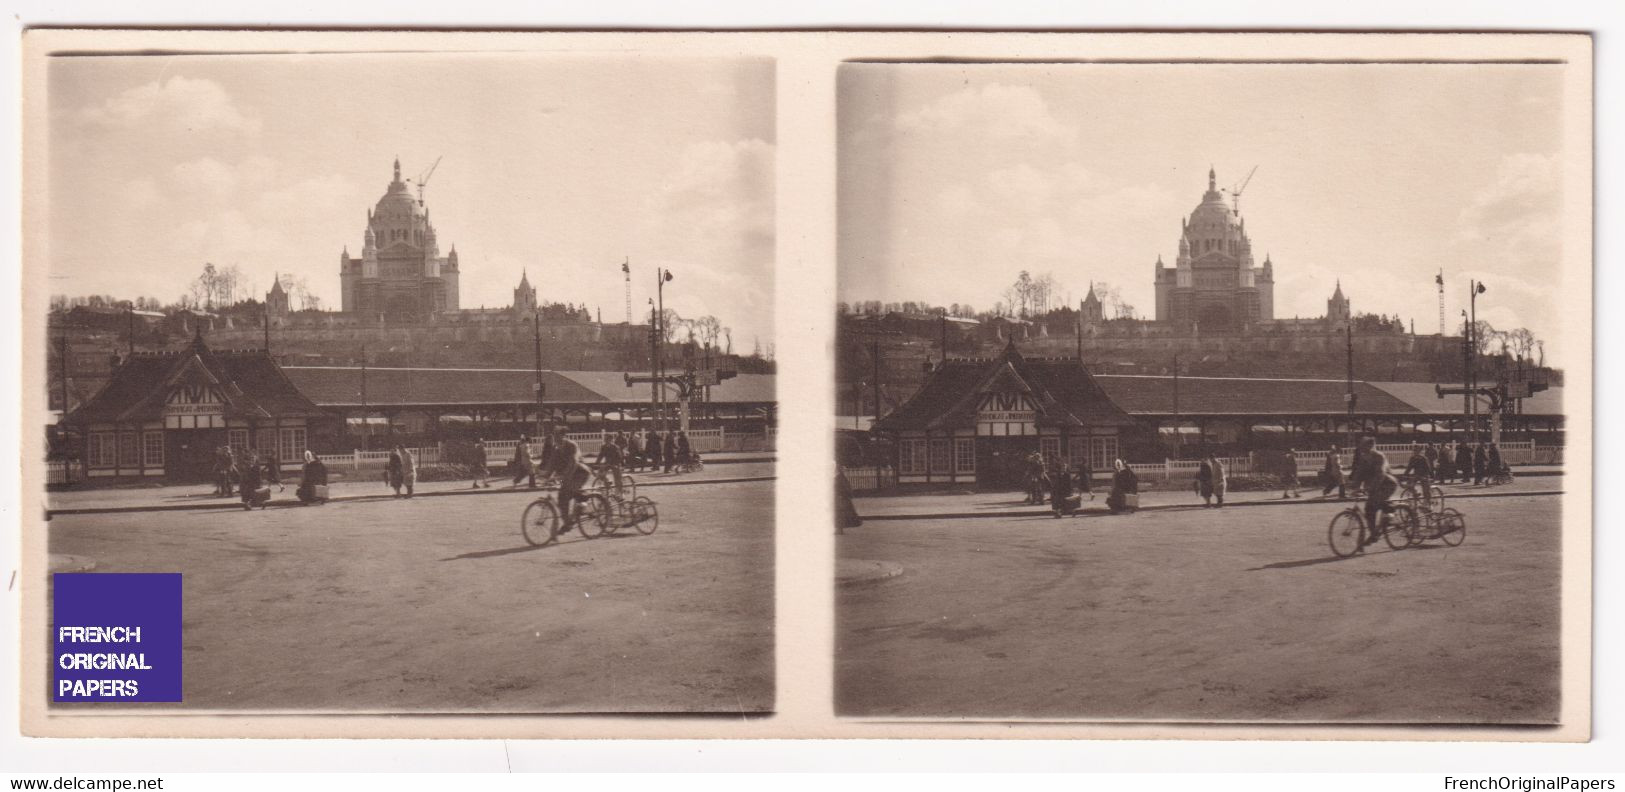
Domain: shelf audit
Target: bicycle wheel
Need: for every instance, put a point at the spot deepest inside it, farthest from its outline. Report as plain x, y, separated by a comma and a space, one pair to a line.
629, 489
540, 522
1436, 496
1345, 532
1402, 529
593, 515
645, 516
1452, 527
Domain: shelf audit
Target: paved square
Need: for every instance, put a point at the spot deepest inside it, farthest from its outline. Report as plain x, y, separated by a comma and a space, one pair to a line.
437, 603
1238, 613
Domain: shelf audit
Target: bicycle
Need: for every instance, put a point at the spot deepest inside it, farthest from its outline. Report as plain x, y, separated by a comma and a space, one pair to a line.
640, 513
1347, 532
603, 481
1431, 501
540, 524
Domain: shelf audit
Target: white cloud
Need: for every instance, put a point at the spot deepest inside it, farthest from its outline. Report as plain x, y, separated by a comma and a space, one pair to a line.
712, 223
1521, 212
995, 113
181, 103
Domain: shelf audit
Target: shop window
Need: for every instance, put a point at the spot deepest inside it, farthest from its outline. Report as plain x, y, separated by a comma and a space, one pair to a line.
128, 454
1103, 451
101, 450
293, 445
152, 449
265, 441
941, 456
911, 456
1077, 450
965, 455
238, 440
1050, 448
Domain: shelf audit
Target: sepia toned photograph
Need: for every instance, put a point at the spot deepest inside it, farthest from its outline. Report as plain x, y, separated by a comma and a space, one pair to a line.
1216, 392
444, 381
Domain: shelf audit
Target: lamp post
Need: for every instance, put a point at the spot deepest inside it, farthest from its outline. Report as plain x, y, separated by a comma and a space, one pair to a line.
1474, 289
662, 275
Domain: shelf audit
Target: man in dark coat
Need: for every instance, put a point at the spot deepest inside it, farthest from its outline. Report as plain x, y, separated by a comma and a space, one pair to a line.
1061, 500
1481, 463
1331, 474
668, 450
1446, 469
846, 514
651, 449
250, 485
522, 464
1464, 461
314, 475
1494, 468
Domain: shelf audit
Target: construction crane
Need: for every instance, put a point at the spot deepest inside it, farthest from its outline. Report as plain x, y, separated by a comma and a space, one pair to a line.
1235, 192
423, 178
626, 269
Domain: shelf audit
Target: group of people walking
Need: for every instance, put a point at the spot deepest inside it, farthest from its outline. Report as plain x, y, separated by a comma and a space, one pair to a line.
250, 475
1476, 463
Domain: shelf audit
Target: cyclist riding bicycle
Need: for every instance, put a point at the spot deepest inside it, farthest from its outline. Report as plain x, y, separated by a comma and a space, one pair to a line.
1419, 474
565, 464
1380, 486
611, 456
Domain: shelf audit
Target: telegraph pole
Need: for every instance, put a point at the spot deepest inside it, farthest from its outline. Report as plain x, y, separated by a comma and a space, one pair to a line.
365, 425
541, 388
1348, 396
1177, 438
654, 342
875, 352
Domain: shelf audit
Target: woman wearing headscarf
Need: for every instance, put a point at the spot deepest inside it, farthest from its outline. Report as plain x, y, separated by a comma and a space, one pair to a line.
314, 475
1124, 484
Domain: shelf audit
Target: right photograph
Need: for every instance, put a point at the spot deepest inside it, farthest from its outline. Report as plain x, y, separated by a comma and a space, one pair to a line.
1209, 392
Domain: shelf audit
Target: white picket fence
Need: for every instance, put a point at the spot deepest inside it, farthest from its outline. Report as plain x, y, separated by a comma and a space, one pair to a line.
500, 452
865, 479
1512, 453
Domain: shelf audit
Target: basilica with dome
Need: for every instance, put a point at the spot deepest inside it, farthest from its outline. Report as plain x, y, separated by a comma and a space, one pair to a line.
400, 274
1214, 284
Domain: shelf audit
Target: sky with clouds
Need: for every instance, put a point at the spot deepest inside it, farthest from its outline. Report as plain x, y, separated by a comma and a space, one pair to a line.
954, 177
557, 165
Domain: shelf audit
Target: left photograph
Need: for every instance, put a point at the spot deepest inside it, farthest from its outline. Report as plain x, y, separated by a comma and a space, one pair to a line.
445, 382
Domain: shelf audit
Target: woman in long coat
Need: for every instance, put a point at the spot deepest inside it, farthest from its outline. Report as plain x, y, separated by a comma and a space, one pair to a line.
1464, 461
402, 471
1481, 464
1210, 480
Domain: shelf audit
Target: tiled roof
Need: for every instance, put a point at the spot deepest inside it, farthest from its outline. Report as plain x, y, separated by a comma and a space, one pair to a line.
341, 386
250, 380
1064, 392
333, 386
1154, 395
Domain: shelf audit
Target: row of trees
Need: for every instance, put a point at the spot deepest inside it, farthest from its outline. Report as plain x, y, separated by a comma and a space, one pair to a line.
1032, 297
